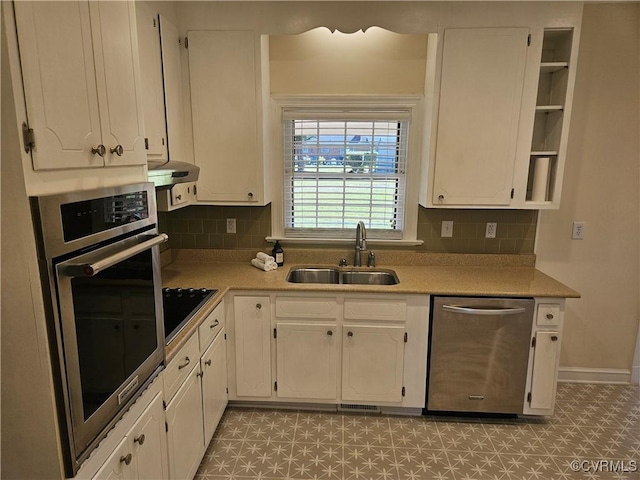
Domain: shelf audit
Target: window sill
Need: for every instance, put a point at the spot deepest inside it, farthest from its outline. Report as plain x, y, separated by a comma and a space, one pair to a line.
344, 241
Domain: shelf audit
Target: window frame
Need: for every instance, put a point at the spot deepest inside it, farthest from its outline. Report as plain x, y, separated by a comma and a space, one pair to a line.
281, 103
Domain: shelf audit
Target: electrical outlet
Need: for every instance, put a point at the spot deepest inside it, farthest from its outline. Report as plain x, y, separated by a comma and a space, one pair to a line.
447, 228
490, 232
231, 225
578, 231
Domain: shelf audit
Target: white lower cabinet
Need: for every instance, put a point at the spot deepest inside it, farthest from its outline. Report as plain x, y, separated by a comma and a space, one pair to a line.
252, 332
142, 453
194, 411
372, 363
184, 427
544, 357
307, 359
365, 349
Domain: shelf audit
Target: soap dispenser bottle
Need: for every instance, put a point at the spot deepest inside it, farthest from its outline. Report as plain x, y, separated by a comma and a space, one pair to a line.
278, 253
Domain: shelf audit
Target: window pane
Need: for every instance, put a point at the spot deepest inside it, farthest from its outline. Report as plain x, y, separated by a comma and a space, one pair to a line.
339, 172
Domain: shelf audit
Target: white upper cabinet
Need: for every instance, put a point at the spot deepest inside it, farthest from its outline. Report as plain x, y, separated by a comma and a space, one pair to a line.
151, 72
82, 83
225, 78
482, 78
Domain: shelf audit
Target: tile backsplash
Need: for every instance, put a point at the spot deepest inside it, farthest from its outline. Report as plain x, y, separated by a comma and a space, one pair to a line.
204, 226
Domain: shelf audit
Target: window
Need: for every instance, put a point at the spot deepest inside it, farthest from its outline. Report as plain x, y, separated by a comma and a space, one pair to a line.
343, 167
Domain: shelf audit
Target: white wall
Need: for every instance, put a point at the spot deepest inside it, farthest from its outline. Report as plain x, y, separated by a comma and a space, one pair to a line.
601, 188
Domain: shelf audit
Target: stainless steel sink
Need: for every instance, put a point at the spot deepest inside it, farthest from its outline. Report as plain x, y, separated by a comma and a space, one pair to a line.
370, 277
313, 275
328, 275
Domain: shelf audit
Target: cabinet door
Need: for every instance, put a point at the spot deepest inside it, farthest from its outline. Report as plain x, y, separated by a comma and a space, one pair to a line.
545, 368
225, 119
58, 72
372, 363
479, 110
149, 441
116, 466
307, 356
214, 385
172, 74
151, 77
253, 346
115, 44
185, 431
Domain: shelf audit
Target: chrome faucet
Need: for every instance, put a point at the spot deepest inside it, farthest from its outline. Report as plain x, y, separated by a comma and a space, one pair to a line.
361, 244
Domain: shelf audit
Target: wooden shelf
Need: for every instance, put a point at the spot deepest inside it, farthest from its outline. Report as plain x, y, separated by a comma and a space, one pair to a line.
549, 108
550, 67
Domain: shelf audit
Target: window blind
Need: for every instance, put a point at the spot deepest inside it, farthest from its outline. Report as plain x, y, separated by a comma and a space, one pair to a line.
342, 168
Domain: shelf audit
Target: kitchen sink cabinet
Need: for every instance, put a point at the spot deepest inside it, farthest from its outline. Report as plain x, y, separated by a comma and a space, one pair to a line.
306, 360
373, 363
307, 350
81, 78
225, 71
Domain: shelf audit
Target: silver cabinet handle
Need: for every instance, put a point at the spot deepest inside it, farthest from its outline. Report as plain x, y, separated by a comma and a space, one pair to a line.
126, 459
215, 323
100, 150
258, 306
91, 269
139, 439
350, 334
208, 363
483, 311
187, 362
118, 150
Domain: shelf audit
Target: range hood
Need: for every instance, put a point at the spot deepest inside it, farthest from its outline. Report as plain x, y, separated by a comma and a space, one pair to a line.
167, 174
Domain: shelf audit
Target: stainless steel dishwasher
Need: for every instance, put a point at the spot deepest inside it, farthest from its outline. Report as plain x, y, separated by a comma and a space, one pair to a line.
479, 353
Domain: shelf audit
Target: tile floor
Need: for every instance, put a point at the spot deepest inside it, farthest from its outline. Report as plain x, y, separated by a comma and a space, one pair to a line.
592, 423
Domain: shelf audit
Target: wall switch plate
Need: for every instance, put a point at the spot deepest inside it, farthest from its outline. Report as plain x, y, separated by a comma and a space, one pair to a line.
491, 230
231, 225
447, 228
578, 231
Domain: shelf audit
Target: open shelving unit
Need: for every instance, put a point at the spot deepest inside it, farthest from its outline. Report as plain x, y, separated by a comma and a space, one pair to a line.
549, 132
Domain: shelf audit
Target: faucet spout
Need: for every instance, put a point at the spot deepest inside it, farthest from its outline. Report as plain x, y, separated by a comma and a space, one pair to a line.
361, 243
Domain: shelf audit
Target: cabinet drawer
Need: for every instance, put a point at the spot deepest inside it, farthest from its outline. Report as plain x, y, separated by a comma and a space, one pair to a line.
180, 366
370, 309
208, 330
548, 314
310, 307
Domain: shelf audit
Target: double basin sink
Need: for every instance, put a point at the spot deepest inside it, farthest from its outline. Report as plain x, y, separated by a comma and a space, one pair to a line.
336, 276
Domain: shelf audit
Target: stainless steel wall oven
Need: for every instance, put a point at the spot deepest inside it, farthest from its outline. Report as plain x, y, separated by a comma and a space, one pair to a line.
100, 266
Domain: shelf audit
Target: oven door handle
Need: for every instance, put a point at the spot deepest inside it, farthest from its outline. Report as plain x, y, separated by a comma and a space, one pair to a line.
92, 269
483, 311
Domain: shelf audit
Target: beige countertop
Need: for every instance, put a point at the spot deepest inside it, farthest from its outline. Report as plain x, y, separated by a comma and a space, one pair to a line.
459, 279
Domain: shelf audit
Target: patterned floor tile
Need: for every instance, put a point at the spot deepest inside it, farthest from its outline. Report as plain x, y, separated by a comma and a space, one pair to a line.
595, 425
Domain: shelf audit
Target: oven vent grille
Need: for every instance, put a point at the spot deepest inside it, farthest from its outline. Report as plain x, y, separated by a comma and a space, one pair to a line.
350, 407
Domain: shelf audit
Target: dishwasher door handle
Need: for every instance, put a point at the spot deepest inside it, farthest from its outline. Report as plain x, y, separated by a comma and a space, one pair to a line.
483, 311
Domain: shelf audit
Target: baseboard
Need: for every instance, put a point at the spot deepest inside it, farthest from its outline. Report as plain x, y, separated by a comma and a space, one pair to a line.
635, 375
594, 375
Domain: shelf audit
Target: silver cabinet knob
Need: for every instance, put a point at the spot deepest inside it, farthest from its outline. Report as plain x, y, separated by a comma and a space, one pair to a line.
200, 374
549, 316
441, 198
350, 334
178, 197
250, 195
554, 338
100, 150
215, 323
126, 459
208, 363
139, 439
258, 306
330, 333
118, 150
187, 362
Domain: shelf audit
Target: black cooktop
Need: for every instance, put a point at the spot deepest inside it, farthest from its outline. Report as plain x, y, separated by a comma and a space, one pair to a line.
180, 305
